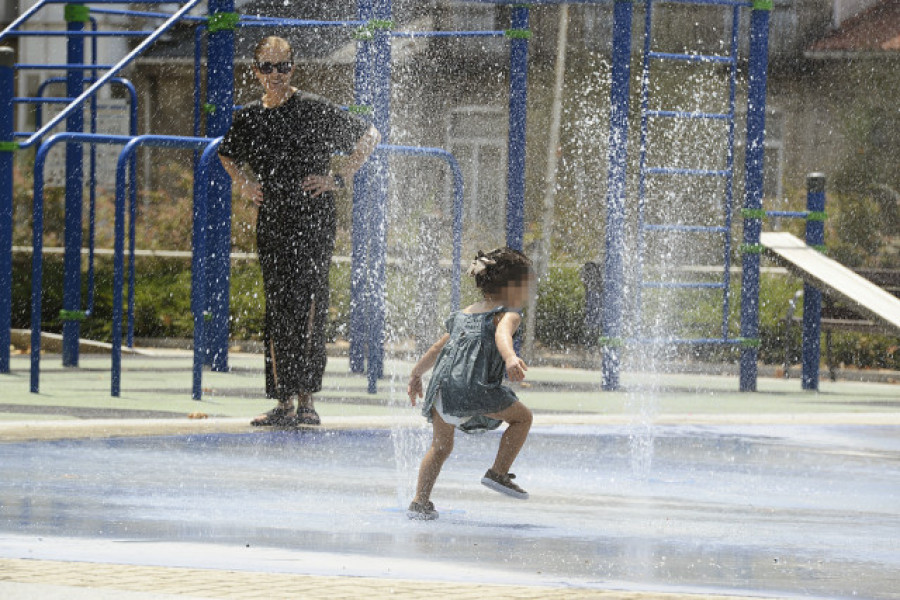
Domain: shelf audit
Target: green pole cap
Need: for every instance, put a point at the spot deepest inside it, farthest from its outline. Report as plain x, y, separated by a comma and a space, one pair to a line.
76, 13
753, 213
815, 183
749, 342
72, 315
222, 21
610, 342
7, 56
763, 4
518, 34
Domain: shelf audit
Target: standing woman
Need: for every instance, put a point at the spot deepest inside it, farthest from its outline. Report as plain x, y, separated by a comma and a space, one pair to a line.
278, 154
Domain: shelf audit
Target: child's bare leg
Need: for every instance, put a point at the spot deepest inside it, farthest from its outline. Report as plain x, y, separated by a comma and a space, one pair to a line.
441, 447
519, 418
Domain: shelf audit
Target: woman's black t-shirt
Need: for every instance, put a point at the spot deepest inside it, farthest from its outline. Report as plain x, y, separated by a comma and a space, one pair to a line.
284, 144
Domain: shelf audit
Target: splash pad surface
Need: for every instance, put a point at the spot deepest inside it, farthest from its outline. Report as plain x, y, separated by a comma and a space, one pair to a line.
768, 510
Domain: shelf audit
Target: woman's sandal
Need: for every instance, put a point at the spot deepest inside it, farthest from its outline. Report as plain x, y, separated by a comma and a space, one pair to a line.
306, 416
280, 415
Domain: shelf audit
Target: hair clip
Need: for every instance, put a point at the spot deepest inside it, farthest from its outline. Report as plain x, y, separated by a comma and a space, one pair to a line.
480, 263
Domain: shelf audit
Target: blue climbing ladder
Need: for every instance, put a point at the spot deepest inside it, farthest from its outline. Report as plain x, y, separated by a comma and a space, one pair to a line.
717, 164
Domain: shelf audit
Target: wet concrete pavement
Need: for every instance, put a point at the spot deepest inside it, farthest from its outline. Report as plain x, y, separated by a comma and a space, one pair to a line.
764, 510
678, 486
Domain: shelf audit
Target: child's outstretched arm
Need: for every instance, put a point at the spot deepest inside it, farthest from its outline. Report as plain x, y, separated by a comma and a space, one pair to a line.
414, 389
515, 366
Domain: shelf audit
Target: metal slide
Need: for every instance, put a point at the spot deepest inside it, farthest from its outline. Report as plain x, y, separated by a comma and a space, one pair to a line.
834, 279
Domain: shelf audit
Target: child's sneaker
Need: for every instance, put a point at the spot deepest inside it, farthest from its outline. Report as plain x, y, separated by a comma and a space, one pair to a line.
503, 484
422, 512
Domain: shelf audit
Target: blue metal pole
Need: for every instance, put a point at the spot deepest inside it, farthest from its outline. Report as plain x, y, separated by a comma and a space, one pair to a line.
220, 94
518, 112
37, 261
76, 16
198, 263
358, 253
614, 278
7, 147
753, 191
812, 297
132, 211
381, 95
92, 183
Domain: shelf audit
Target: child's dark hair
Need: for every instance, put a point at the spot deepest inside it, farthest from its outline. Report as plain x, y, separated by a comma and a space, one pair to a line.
499, 268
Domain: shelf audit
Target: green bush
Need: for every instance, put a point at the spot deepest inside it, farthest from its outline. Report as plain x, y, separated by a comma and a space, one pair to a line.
162, 298
559, 320
162, 309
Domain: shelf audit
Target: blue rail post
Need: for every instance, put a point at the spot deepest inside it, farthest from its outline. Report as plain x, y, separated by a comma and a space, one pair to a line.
122, 167
76, 16
198, 262
753, 191
614, 277
812, 297
381, 26
7, 147
220, 95
518, 113
358, 254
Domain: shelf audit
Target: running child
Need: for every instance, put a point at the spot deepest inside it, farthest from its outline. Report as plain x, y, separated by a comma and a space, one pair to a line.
466, 390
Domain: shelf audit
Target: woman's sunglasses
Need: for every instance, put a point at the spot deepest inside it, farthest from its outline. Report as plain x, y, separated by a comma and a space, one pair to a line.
282, 67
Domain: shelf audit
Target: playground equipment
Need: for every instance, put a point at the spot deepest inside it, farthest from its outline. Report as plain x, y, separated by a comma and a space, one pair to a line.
373, 29
213, 308
822, 273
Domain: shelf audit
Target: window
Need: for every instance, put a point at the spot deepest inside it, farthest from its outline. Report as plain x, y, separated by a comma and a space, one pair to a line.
477, 137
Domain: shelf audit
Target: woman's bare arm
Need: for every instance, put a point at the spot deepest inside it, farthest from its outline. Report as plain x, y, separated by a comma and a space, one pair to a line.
245, 184
361, 152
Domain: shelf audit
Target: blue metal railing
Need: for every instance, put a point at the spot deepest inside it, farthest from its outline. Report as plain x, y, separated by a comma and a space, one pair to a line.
111, 70
38, 234
132, 130
197, 277
125, 160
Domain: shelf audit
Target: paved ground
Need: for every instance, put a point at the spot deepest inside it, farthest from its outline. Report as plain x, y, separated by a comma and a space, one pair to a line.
74, 403
57, 580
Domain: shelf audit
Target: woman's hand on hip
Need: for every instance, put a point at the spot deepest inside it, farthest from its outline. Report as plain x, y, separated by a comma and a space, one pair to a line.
316, 185
253, 191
